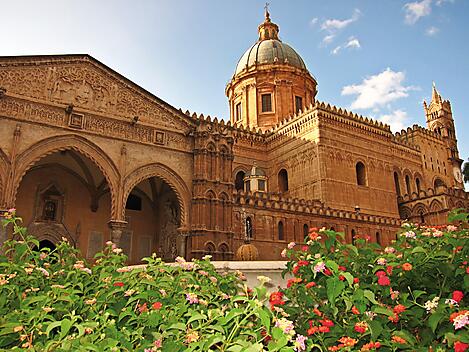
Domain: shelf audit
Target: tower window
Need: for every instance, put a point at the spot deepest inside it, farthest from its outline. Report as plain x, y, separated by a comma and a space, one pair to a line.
261, 185
133, 203
239, 181
417, 183
361, 174
407, 184
378, 238
249, 228
298, 104
281, 235
305, 230
238, 112
283, 180
266, 102
396, 184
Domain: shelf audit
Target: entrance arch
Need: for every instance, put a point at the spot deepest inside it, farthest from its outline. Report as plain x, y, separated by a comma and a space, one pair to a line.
68, 142
153, 212
4, 167
61, 192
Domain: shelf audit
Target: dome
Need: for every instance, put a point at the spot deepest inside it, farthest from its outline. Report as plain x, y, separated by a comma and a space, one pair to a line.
247, 252
255, 171
270, 51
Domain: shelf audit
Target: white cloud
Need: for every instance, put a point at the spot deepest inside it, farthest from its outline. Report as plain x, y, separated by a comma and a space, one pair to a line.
378, 90
328, 39
396, 119
415, 10
313, 21
352, 42
431, 31
442, 2
333, 26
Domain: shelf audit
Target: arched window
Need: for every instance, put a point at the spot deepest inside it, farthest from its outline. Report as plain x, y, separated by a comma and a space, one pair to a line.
361, 174
239, 180
407, 184
210, 248
396, 184
281, 235
378, 238
417, 184
353, 236
305, 230
224, 251
248, 228
283, 180
438, 183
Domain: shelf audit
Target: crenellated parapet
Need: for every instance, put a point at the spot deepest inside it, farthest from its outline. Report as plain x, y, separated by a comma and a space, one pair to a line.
276, 202
409, 134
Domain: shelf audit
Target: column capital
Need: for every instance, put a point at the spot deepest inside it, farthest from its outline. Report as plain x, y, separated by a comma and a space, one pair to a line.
117, 224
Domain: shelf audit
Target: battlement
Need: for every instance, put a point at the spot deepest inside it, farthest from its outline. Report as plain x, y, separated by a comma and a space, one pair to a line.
276, 202
416, 129
430, 192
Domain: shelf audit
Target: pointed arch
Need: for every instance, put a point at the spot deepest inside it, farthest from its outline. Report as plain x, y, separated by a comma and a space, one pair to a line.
174, 181
80, 144
436, 206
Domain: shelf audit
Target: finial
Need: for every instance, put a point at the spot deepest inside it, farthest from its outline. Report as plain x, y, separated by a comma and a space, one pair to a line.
267, 14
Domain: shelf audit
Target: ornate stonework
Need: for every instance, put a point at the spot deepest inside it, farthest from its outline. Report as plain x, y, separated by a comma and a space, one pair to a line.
88, 155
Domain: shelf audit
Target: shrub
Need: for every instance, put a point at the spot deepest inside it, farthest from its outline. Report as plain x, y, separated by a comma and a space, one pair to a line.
54, 300
408, 296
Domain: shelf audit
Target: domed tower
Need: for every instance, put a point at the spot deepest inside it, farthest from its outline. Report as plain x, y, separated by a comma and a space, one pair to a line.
270, 82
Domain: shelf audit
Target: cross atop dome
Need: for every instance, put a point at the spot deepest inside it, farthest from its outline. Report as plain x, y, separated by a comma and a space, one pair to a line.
267, 29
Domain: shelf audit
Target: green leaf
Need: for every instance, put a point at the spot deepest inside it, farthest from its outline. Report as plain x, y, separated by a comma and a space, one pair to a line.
349, 278
194, 316
265, 318
65, 326
376, 328
334, 289
418, 249
177, 326
370, 296
52, 326
434, 320
332, 265
382, 310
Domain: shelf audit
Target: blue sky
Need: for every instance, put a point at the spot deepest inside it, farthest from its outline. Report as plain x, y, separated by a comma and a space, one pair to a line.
377, 57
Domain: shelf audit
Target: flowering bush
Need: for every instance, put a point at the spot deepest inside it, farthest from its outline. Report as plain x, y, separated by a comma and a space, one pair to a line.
408, 296
54, 300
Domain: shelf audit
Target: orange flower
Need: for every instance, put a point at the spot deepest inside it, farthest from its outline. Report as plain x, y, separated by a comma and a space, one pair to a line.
399, 309
398, 339
361, 327
348, 341
157, 305
406, 266
355, 310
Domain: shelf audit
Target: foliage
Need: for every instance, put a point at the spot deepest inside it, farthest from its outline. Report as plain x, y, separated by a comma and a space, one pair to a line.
54, 300
407, 296
465, 171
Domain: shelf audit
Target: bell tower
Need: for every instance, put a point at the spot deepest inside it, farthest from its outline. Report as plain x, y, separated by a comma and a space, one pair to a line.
440, 120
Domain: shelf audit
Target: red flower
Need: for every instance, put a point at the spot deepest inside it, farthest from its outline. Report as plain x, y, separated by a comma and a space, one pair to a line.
310, 284
312, 329
380, 273
324, 329
399, 309
361, 327
341, 277
356, 280
460, 346
143, 308
355, 310
276, 299
394, 318
304, 248
157, 305
389, 269
467, 270
327, 322
292, 281
458, 296
342, 268
118, 284
384, 281
327, 272
317, 312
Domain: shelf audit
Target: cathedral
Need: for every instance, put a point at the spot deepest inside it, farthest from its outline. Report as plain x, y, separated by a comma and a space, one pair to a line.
88, 155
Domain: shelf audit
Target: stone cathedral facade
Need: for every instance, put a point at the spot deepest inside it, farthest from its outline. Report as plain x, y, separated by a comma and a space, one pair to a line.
88, 155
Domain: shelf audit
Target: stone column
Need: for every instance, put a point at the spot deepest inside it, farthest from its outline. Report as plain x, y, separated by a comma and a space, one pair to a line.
183, 234
117, 226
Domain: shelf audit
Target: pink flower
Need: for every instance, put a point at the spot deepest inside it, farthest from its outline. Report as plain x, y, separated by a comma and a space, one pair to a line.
457, 296
299, 344
384, 281
319, 267
291, 245
192, 298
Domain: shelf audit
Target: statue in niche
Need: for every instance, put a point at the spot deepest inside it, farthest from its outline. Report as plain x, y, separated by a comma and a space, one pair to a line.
50, 210
170, 224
